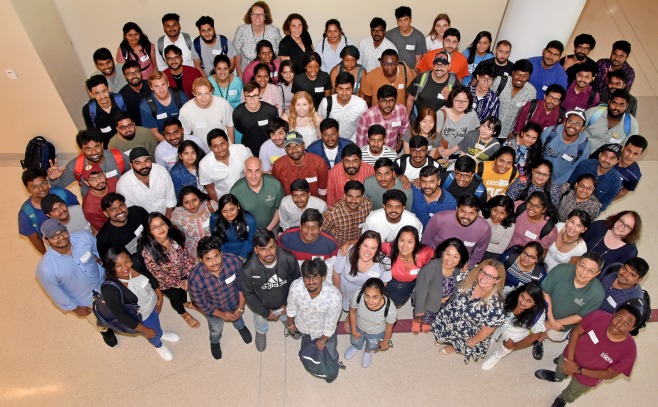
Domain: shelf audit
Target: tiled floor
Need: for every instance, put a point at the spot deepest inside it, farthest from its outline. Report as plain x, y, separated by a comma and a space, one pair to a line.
51, 359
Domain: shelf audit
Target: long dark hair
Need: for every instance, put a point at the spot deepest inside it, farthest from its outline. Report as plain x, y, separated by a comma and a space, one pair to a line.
266, 44
395, 252
191, 189
223, 225
504, 201
283, 64
155, 249
126, 49
527, 318
473, 47
457, 244
353, 255
547, 186
197, 149
545, 199
335, 22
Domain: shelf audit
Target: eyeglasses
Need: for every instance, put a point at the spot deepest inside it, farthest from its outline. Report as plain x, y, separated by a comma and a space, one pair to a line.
463, 175
161, 226
625, 225
314, 278
59, 235
541, 174
549, 97
42, 184
585, 187
252, 97
534, 206
258, 15
460, 101
528, 256
390, 63
132, 73
489, 276
485, 79
127, 126
575, 122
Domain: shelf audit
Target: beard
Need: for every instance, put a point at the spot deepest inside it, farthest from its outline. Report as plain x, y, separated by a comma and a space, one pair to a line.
580, 57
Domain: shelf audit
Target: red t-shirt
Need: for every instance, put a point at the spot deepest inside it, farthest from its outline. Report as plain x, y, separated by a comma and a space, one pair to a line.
403, 272
91, 206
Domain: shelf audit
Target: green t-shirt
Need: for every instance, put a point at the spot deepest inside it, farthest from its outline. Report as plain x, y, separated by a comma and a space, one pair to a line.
568, 300
374, 192
264, 204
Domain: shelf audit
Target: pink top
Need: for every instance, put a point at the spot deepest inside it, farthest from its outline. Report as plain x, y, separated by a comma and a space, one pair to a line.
248, 73
404, 272
147, 66
526, 231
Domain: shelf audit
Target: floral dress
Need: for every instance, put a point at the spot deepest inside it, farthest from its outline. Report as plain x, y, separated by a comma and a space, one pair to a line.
171, 273
461, 318
194, 225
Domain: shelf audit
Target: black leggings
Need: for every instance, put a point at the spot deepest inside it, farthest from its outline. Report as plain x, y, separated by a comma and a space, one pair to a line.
177, 297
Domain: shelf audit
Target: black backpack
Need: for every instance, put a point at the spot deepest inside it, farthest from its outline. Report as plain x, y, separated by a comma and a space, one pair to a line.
105, 315
38, 154
646, 313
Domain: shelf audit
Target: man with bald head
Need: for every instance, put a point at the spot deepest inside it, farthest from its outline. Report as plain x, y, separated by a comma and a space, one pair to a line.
260, 194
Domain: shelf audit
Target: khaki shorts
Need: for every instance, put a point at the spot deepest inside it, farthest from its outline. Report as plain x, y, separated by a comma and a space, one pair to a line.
557, 336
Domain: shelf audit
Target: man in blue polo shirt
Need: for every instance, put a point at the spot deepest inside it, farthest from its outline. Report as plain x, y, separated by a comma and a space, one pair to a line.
546, 70
608, 180
622, 282
627, 167
331, 144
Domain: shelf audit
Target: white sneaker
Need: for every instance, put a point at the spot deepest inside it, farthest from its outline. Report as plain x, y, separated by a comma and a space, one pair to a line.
164, 353
490, 362
169, 337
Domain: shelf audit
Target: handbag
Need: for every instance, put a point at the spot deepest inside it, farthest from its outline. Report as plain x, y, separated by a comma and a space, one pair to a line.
105, 315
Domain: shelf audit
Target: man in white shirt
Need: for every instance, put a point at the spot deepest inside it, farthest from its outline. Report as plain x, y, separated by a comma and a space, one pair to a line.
147, 184
206, 112
221, 169
372, 47
388, 220
345, 107
171, 27
166, 153
293, 205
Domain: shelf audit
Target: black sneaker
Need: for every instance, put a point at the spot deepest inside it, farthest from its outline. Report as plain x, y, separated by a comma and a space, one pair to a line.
110, 338
216, 350
559, 402
538, 350
245, 334
556, 360
547, 375
342, 366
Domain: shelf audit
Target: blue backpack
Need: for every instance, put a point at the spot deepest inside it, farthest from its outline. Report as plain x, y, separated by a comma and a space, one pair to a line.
92, 107
105, 315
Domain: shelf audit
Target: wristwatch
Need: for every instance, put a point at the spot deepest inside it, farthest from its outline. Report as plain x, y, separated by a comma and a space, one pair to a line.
580, 370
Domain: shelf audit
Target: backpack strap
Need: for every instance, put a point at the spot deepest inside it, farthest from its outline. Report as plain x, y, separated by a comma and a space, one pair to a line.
551, 135
188, 40
546, 229
29, 211
197, 47
120, 102
161, 46
177, 99
422, 83
511, 257
77, 169
502, 84
151, 103
387, 306
357, 83
446, 184
597, 114
536, 273
118, 158
533, 108
627, 124
224, 43
406, 74
480, 168
590, 97
330, 103
561, 115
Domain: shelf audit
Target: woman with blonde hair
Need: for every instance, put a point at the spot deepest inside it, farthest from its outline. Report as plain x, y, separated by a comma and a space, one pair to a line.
303, 118
257, 26
434, 40
465, 323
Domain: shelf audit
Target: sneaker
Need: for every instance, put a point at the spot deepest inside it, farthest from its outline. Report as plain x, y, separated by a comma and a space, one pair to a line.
216, 350
164, 353
366, 359
559, 402
538, 350
261, 341
169, 337
556, 360
341, 366
547, 375
245, 334
110, 338
350, 352
490, 362
295, 335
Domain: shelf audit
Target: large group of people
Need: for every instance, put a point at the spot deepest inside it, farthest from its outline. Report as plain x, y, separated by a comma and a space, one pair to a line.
314, 181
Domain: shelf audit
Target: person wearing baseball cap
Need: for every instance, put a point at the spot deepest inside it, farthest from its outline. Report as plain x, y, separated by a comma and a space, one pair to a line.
431, 88
566, 145
70, 216
70, 270
99, 186
147, 184
608, 180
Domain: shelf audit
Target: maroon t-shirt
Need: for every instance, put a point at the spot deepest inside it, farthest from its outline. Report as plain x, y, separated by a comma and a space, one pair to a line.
91, 206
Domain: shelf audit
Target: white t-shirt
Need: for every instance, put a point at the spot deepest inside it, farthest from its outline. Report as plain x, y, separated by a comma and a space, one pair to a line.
331, 155
377, 222
347, 116
290, 215
167, 155
157, 197
223, 176
555, 257
269, 153
199, 121
180, 43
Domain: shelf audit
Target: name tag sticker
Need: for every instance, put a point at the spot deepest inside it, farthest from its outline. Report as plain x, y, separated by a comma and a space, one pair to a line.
396, 124
262, 122
217, 52
520, 104
469, 244
161, 116
544, 88
139, 230
373, 273
312, 179
274, 74
85, 257
414, 272
144, 58
567, 157
479, 146
232, 92
206, 223
593, 337
410, 47
506, 73
319, 89
401, 86
111, 174
530, 234
614, 140
200, 125
230, 279
612, 301
440, 96
106, 129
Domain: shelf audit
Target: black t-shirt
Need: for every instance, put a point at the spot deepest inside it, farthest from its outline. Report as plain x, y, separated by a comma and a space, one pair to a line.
499, 70
253, 125
431, 95
289, 48
132, 100
104, 122
125, 236
315, 88
571, 71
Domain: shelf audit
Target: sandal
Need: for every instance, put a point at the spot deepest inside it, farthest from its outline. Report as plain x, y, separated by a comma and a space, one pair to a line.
190, 305
446, 350
193, 323
415, 327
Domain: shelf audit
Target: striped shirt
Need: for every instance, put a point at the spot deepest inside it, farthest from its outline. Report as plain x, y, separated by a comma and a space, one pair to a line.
486, 106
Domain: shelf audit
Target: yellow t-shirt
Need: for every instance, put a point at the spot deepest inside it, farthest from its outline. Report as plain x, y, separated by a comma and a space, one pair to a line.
495, 183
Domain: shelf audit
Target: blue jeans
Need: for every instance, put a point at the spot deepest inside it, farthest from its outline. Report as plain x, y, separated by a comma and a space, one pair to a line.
153, 322
216, 326
261, 324
399, 292
371, 340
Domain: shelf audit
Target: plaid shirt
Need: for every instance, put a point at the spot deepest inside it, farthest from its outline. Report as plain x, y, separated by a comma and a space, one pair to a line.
488, 105
568, 203
344, 225
604, 65
395, 124
222, 293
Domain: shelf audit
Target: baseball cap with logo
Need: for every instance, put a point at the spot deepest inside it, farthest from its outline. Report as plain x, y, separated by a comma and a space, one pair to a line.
90, 169
50, 227
441, 57
293, 137
578, 113
613, 148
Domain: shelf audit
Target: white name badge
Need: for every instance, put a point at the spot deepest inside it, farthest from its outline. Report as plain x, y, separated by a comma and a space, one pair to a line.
144, 58
410, 47
414, 272
262, 122
274, 74
544, 88
312, 179
139, 230
612, 301
479, 146
230, 279
111, 174
440, 96
106, 129
200, 125
161, 116
216, 52
614, 140
469, 244
401, 86
520, 104
567, 157
530, 234
232, 92
396, 124
373, 273
593, 337
319, 89
85, 257
506, 73
503, 183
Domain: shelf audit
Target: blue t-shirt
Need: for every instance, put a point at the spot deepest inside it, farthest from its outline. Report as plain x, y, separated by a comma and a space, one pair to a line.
541, 78
26, 225
162, 112
424, 210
